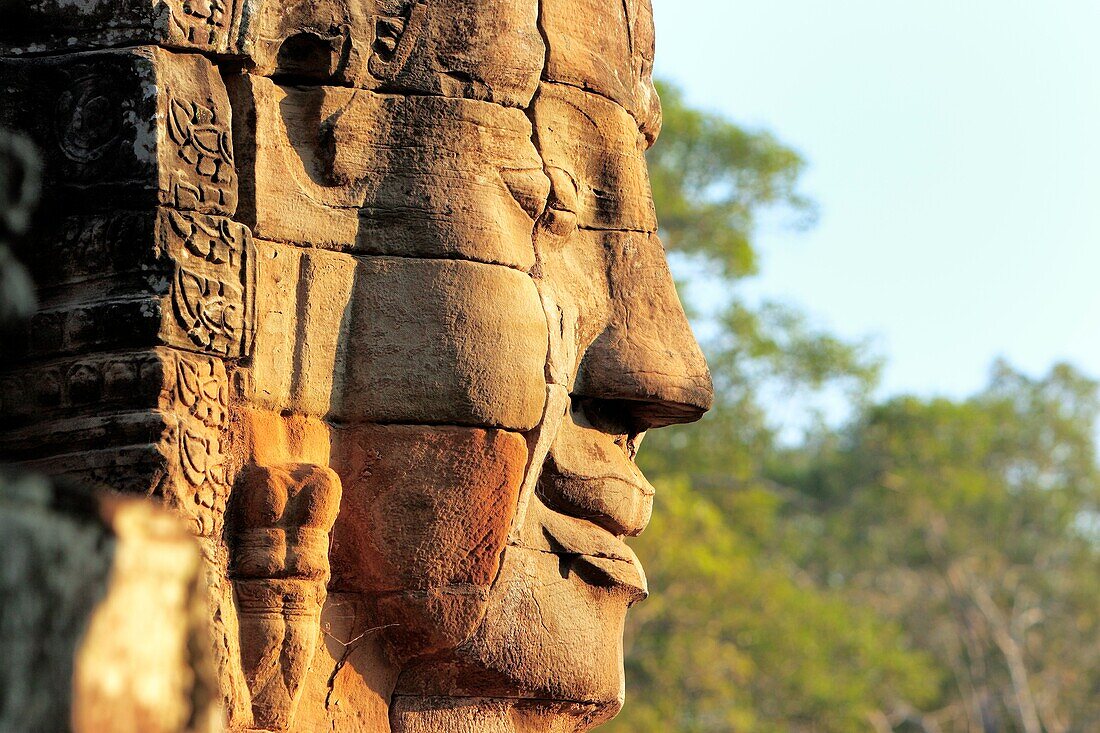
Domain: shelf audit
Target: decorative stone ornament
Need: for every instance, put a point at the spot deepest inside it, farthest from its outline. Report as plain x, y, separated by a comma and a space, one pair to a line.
369, 293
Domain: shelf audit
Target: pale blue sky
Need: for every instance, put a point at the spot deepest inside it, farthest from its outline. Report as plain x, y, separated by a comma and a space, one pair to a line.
954, 150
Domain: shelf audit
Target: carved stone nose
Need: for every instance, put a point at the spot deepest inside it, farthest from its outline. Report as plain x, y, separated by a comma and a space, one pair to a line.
647, 359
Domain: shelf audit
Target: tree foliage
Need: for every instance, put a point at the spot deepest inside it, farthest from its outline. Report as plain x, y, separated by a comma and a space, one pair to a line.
971, 523
712, 179
931, 566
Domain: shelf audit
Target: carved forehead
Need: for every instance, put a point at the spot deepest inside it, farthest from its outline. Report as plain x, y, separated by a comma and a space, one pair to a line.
490, 50
605, 47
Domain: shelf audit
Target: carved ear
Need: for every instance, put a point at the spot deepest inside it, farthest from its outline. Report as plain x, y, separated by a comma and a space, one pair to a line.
395, 37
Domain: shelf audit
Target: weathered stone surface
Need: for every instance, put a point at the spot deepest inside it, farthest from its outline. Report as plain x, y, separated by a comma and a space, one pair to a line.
351, 678
647, 355
576, 296
279, 562
226, 633
437, 501
601, 153
314, 40
480, 715
590, 473
148, 422
440, 47
162, 276
78, 568
423, 526
605, 46
130, 128
363, 172
37, 26
543, 621
435, 341
456, 48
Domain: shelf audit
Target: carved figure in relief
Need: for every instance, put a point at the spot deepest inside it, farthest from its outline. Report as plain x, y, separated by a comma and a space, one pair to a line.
280, 568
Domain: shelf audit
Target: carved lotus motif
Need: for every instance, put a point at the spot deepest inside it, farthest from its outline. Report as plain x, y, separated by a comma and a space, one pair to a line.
203, 142
208, 309
203, 391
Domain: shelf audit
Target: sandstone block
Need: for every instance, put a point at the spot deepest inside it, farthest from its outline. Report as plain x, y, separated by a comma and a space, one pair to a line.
589, 475
124, 279
415, 714
440, 47
130, 128
455, 48
647, 356
597, 145
423, 506
397, 340
163, 437
547, 634
606, 47
424, 521
350, 678
415, 176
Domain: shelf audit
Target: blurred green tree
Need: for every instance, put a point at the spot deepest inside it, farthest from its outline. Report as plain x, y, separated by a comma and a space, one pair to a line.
973, 525
931, 567
736, 637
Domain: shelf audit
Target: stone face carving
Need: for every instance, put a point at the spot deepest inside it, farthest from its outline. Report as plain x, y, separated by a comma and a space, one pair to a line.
435, 341
357, 171
370, 293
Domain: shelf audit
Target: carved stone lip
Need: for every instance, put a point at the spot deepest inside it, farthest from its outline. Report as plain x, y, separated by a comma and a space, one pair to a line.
589, 476
598, 557
619, 504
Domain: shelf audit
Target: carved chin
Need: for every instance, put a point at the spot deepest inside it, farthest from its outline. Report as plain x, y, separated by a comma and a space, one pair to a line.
546, 634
